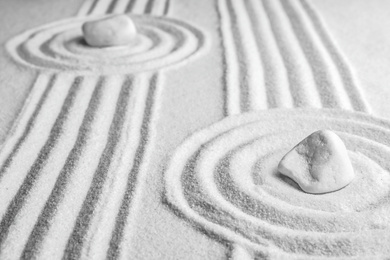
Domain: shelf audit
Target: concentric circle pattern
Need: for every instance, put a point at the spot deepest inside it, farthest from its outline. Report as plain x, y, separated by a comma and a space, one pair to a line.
224, 178
161, 42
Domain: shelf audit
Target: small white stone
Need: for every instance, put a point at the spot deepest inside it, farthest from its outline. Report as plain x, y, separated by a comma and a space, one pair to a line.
319, 163
114, 30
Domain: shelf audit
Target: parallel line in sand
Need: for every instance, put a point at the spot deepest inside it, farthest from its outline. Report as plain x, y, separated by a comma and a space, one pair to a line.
158, 8
127, 6
134, 7
136, 176
65, 199
299, 73
100, 7
102, 174
151, 7
34, 243
86, 7
44, 181
108, 7
33, 142
19, 199
139, 6
121, 6
92, 7
31, 250
317, 73
26, 120
275, 73
325, 73
351, 84
230, 74
96, 7
241, 60
253, 95
113, 190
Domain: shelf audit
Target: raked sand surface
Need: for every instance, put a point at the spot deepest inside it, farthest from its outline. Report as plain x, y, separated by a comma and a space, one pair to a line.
168, 149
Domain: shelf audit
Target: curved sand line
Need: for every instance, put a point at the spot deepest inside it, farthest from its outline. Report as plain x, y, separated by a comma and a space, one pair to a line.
161, 42
224, 179
281, 55
38, 196
97, 187
26, 209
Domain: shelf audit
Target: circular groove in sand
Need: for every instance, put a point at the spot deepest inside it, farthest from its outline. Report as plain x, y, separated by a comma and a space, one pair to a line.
224, 178
161, 42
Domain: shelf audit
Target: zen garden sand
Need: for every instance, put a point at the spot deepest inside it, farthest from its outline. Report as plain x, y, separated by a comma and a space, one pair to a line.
172, 129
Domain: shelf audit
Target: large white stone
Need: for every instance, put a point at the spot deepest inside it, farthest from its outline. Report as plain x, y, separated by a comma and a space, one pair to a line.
318, 164
114, 30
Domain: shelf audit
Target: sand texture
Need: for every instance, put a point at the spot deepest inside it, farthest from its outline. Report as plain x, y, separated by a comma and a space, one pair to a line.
225, 179
168, 148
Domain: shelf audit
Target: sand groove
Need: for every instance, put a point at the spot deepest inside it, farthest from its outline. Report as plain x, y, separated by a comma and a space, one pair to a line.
253, 96
224, 179
57, 216
26, 120
75, 160
230, 79
98, 135
21, 159
124, 221
99, 7
60, 46
27, 175
283, 56
76, 182
350, 80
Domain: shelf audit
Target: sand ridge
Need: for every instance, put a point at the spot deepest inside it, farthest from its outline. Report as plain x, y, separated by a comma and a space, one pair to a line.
74, 160
93, 7
224, 178
92, 129
60, 46
279, 54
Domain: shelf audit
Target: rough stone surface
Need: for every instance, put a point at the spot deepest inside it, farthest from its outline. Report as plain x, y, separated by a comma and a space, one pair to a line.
114, 30
319, 163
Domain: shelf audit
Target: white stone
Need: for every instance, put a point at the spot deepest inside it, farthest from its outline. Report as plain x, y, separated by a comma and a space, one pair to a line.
318, 164
114, 30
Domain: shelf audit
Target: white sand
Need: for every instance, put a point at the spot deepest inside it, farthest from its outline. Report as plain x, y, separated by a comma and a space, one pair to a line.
93, 167
225, 179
